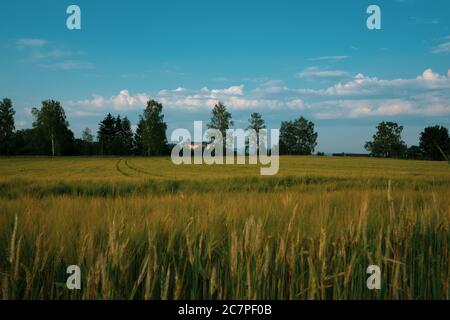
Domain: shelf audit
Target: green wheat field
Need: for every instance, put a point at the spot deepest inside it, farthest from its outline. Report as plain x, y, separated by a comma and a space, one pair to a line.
143, 228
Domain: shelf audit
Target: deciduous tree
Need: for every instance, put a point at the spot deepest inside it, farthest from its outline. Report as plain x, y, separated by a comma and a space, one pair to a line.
256, 123
435, 143
221, 121
298, 137
387, 141
52, 129
154, 140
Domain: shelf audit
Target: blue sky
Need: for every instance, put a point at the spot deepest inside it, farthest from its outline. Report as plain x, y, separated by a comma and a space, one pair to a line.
283, 59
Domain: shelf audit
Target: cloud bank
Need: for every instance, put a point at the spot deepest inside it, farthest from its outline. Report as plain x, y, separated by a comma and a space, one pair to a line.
358, 96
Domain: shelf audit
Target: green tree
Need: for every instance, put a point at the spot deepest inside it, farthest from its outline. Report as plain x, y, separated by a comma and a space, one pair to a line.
432, 139
256, 122
414, 153
125, 135
23, 142
137, 141
115, 136
154, 140
116, 147
221, 120
85, 145
106, 133
6, 126
298, 137
387, 141
52, 129
87, 136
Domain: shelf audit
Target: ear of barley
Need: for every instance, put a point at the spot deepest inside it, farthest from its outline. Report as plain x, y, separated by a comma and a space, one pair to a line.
12, 250
140, 278
166, 284
17, 260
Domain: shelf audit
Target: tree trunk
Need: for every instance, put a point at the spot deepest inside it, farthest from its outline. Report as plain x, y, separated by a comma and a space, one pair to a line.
53, 145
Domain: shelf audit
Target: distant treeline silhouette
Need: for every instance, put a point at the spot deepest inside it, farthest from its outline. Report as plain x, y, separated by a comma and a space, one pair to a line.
51, 135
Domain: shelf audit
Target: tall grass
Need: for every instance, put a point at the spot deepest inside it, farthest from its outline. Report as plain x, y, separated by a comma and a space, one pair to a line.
297, 240
281, 246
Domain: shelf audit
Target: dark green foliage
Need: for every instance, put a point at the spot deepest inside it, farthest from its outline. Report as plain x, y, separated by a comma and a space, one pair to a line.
297, 137
86, 145
257, 123
387, 141
24, 142
220, 119
115, 136
432, 139
414, 153
106, 133
152, 130
137, 140
51, 129
6, 126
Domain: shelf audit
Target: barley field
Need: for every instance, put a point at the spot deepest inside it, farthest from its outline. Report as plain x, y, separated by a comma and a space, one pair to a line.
143, 228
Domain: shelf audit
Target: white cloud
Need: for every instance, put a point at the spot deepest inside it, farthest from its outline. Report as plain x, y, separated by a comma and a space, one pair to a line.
184, 99
295, 103
123, 101
362, 96
49, 56
68, 65
33, 43
39, 54
429, 75
362, 85
329, 58
380, 107
245, 79
234, 90
233, 97
442, 48
316, 73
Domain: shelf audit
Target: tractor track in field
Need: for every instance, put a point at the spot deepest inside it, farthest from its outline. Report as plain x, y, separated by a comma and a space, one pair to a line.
136, 169
139, 170
120, 170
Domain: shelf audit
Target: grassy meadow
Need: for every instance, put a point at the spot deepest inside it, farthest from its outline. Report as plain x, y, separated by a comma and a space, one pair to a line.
143, 228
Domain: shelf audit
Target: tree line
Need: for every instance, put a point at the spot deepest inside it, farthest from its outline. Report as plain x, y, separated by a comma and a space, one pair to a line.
51, 135
387, 142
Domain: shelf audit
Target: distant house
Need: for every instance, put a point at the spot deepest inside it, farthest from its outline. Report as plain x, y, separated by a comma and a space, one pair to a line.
206, 146
196, 145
